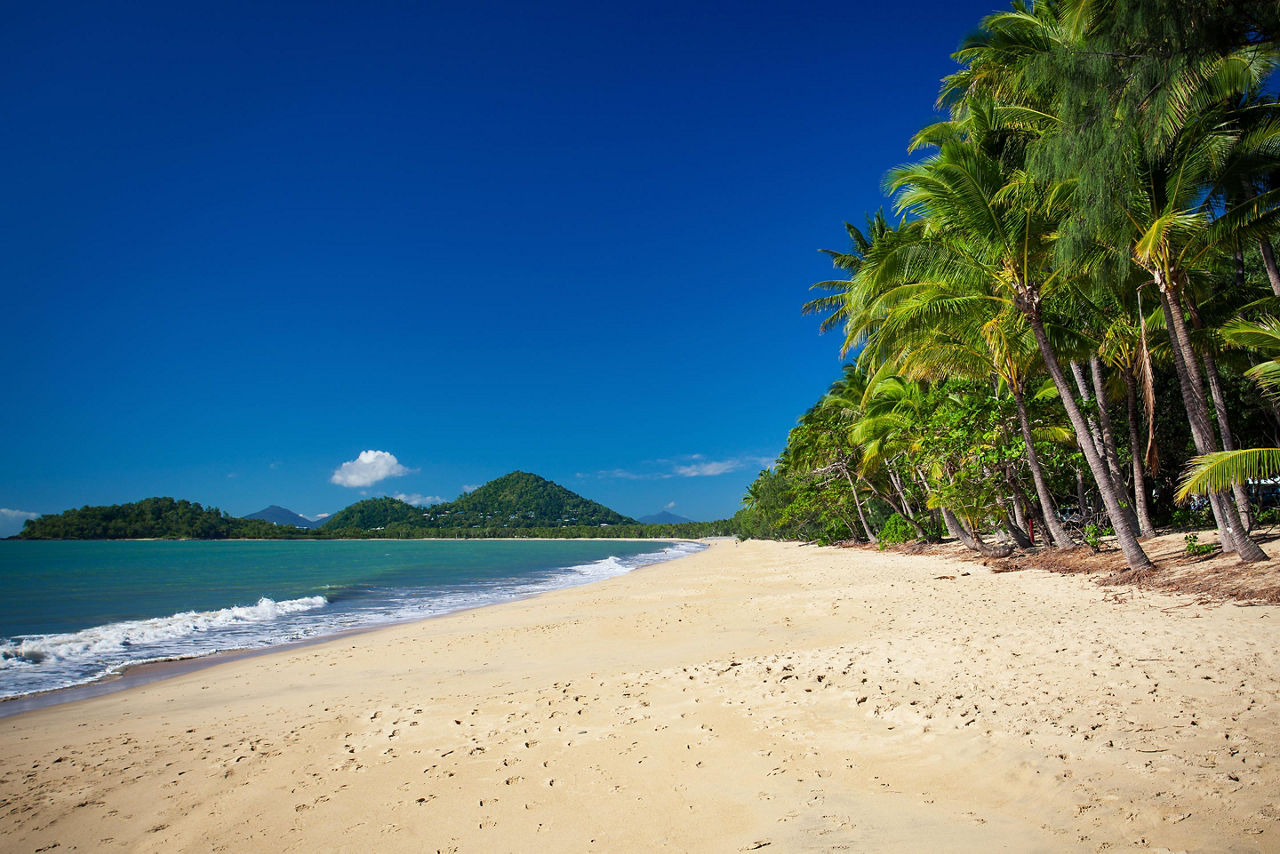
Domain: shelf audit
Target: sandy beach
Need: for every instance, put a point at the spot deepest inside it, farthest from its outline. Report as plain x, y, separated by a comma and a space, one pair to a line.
753, 696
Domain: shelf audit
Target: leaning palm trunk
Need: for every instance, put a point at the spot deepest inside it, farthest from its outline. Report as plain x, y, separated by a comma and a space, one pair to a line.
1109, 448
1095, 433
1009, 528
1269, 261
857, 502
1112, 453
973, 541
1143, 507
1057, 534
1027, 512
901, 510
1125, 536
1231, 531
1198, 418
1224, 422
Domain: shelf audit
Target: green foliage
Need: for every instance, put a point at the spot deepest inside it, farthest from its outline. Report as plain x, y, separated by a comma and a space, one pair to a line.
521, 500
487, 514
518, 501
374, 514
1190, 517
1196, 548
896, 531
1093, 537
151, 518
1269, 516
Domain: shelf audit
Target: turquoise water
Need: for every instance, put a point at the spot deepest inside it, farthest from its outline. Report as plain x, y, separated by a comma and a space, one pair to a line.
74, 612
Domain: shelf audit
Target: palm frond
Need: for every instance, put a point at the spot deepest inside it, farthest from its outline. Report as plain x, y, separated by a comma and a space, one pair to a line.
1219, 471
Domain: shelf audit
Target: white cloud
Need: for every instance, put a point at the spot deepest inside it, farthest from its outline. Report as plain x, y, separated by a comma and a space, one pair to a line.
670, 505
471, 487
418, 500
691, 465
319, 516
630, 475
709, 469
11, 520
367, 469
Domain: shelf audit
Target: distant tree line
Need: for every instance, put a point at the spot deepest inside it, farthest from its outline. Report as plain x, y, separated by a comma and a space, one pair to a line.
152, 518
384, 518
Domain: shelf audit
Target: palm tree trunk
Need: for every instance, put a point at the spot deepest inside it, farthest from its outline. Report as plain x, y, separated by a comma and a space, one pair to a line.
1017, 534
1194, 405
1028, 512
1019, 512
1269, 261
1228, 517
1224, 421
1143, 507
1133, 553
857, 502
1057, 534
1112, 454
1094, 433
896, 481
901, 510
971, 541
1009, 528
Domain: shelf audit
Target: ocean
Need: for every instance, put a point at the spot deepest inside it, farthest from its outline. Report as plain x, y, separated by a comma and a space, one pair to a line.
77, 611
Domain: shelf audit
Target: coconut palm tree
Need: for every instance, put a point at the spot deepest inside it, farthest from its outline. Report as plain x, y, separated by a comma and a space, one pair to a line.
983, 220
963, 327
1222, 470
1143, 140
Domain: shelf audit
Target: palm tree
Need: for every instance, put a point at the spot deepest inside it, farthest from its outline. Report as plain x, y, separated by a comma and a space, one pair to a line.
986, 221
964, 327
1222, 470
837, 303
1143, 141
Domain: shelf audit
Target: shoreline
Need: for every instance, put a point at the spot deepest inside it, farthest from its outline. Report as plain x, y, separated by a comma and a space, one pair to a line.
747, 696
133, 675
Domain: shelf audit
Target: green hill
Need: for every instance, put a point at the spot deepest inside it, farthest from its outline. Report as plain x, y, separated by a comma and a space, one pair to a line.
152, 517
521, 500
373, 514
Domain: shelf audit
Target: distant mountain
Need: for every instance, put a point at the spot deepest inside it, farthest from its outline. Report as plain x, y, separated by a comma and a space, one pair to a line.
516, 500
277, 515
521, 500
663, 518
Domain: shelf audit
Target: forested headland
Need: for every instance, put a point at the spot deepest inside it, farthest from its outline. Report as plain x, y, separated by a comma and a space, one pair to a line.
1066, 325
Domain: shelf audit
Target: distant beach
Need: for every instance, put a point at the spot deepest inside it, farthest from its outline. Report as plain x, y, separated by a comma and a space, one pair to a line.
752, 696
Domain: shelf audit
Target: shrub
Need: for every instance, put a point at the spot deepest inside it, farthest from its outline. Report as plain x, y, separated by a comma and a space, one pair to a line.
896, 531
1196, 548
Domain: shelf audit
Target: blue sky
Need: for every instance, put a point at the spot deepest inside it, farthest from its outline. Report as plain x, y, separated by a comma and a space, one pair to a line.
245, 243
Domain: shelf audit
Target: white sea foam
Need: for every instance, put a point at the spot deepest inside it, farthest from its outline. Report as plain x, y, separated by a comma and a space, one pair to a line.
119, 637
40, 662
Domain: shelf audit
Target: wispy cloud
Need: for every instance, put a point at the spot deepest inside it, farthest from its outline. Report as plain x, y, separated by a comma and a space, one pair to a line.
670, 505
367, 469
691, 465
418, 500
471, 487
709, 469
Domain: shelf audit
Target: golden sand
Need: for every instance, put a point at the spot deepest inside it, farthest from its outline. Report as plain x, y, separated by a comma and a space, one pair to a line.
753, 696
